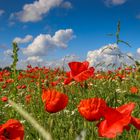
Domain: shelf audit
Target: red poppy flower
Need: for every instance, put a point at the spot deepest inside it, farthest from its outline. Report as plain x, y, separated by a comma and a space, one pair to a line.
134, 89
28, 98
23, 86
4, 86
9, 80
92, 109
54, 83
4, 99
29, 66
116, 120
19, 87
54, 101
11, 130
80, 71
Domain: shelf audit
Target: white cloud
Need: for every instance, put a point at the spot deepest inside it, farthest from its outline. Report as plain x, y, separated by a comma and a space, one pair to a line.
26, 39
115, 2
35, 11
1, 12
39, 61
58, 62
34, 59
108, 56
8, 52
45, 42
6, 63
138, 51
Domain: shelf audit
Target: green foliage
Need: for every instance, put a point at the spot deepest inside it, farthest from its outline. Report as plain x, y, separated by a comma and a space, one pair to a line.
133, 97
117, 35
14, 56
118, 32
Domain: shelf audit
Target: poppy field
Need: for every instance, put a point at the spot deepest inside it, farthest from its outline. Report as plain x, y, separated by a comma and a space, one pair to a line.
80, 104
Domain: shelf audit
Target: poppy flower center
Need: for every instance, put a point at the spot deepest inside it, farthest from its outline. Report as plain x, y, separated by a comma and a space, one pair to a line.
6, 134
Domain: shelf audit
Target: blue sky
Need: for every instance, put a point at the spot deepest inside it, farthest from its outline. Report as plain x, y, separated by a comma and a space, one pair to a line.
82, 26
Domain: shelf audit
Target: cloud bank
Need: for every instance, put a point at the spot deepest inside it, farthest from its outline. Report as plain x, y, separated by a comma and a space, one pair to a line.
138, 51
109, 56
114, 2
35, 11
26, 39
45, 42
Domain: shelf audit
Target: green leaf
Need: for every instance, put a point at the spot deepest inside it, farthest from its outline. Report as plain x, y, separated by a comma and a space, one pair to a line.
126, 43
133, 97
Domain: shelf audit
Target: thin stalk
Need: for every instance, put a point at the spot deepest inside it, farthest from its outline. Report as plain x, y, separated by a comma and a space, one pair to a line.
46, 135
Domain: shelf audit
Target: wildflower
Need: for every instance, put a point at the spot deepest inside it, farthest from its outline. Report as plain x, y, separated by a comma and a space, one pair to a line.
4, 99
54, 83
134, 89
4, 86
28, 98
54, 100
29, 66
23, 86
80, 71
11, 130
9, 80
116, 120
92, 109
19, 87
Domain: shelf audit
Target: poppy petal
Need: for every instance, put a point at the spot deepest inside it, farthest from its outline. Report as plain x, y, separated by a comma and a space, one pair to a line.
136, 122
12, 130
91, 109
84, 75
114, 124
78, 67
54, 101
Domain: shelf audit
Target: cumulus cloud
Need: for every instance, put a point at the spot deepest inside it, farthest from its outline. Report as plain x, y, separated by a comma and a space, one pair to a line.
138, 51
40, 61
1, 12
109, 55
34, 59
8, 52
26, 39
6, 63
45, 42
35, 11
63, 62
114, 2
